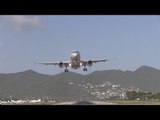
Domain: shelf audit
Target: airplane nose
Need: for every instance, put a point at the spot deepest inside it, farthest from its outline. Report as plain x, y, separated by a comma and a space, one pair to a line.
74, 55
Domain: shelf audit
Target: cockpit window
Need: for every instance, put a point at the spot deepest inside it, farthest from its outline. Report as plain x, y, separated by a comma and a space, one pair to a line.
75, 52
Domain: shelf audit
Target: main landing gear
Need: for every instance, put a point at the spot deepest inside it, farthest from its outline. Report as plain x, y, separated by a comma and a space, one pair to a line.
66, 70
85, 69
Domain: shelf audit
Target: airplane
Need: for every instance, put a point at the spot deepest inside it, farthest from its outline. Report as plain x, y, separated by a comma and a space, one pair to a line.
75, 62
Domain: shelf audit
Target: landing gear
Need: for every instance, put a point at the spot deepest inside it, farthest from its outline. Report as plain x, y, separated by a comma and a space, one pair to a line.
84, 69
66, 70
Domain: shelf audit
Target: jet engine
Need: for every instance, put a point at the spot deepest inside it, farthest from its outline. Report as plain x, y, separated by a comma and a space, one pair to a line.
61, 64
90, 63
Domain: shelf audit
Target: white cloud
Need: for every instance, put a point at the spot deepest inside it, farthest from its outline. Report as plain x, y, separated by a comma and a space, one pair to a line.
24, 22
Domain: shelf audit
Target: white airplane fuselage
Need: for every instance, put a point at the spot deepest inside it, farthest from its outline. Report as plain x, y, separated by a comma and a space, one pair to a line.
75, 59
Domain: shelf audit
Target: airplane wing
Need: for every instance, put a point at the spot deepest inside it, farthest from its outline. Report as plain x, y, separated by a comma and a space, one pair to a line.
49, 63
61, 64
103, 60
90, 62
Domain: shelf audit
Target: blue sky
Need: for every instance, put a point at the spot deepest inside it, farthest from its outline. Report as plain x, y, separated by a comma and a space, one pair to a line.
132, 40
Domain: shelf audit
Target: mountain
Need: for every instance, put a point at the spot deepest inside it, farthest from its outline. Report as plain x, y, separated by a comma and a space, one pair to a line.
30, 84
74, 86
